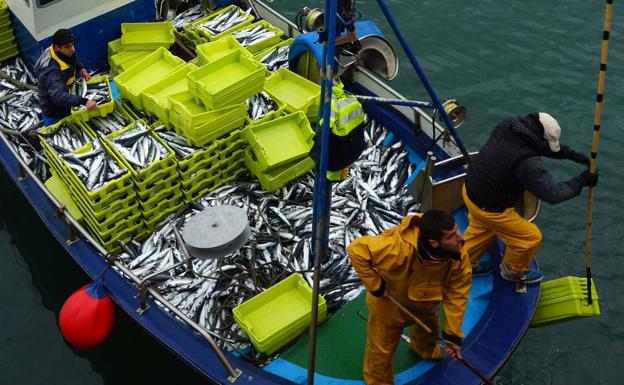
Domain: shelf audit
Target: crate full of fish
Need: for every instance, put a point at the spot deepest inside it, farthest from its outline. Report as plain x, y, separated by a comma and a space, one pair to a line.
275, 57
267, 140
279, 314
63, 137
262, 108
258, 36
94, 175
98, 90
150, 161
115, 121
231, 79
214, 50
146, 36
189, 158
223, 22
190, 15
144, 73
156, 97
294, 91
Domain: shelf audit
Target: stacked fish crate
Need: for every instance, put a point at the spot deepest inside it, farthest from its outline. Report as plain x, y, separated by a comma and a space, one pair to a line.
153, 169
137, 41
97, 180
8, 44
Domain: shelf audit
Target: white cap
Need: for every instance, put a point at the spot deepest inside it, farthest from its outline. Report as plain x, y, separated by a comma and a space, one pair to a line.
552, 131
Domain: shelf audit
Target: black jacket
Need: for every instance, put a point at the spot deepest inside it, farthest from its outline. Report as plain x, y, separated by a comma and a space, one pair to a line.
510, 162
54, 76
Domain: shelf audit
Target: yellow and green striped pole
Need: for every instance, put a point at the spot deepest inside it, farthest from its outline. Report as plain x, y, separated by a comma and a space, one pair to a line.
594, 152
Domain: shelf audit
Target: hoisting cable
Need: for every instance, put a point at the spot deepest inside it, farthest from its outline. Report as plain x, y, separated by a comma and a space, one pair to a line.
594, 152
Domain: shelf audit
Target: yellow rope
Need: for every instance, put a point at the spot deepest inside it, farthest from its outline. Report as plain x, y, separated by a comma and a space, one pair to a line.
594, 153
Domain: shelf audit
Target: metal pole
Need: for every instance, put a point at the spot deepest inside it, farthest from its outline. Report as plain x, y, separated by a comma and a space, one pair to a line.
322, 189
398, 102
594, 152
423, 79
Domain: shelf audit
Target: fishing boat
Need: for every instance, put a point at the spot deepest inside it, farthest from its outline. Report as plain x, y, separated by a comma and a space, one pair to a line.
498, 315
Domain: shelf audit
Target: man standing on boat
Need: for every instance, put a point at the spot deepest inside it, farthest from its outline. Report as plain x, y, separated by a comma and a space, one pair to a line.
421, 264
507, 165
56, 71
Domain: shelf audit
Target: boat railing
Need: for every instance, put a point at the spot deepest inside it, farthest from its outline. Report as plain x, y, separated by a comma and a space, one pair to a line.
142, 287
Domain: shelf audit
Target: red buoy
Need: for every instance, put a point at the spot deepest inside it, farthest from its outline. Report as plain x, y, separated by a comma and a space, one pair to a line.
87, 316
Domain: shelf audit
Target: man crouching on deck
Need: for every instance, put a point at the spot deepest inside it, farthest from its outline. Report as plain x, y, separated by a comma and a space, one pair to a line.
421, 264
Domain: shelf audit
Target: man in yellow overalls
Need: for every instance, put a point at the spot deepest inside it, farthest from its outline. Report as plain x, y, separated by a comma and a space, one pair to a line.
508, 164
421, 263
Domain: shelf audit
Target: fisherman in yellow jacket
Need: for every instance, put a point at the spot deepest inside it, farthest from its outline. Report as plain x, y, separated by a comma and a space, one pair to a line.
421, 264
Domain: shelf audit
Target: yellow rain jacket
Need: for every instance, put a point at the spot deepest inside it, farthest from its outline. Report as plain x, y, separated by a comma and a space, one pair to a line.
392, 259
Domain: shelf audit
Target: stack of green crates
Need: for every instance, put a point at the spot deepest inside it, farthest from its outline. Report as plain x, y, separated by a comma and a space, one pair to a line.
146, 36
111, 212
213, 50
8, 45
295, 92
156, 97
232, 155
146, 72
228, 80
199, 124
279, 314
157, 186
269, 159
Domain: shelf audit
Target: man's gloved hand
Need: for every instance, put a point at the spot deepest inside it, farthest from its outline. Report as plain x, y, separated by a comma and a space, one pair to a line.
578, 157
589, 179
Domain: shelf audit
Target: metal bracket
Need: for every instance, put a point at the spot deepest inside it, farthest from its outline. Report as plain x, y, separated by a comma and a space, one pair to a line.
142, 294
22, 172
73, 234
521, 287
237, 374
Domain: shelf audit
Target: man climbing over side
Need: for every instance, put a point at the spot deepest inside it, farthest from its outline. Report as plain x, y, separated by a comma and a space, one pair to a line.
56, 71
421, 264
507, 165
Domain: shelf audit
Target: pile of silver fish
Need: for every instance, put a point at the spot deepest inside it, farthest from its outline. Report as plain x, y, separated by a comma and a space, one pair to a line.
371, 199
112, 122
19, 115
225, 21
66, 137
139, 148
259, 105
276, 59
98, 92
178, 144
251, 36
94, 167
188, 16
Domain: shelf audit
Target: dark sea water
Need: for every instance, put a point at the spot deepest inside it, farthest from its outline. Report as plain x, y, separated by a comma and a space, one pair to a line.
498, 59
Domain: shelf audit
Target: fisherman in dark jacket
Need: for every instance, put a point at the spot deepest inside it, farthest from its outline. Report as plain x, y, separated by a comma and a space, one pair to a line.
56, 71
507, 165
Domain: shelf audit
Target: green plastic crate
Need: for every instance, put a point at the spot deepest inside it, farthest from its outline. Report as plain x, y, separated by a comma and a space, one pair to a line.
203, 32
185, 113
4, 17
102, 109
201, 188
226, 141
279, 177
146, 36
262, 44
121, 209
113, 47
198, 175
6, 37
156, 97
228, 120
117, 107
214, 50
200, 158
234, 169
279, 314
281, 111
148, 193
144, 73
110, 241
267, 140
9, 51
295, 92
116, 60
232, 78
166, 198
6, 26
260, 55
564, 298
163, 210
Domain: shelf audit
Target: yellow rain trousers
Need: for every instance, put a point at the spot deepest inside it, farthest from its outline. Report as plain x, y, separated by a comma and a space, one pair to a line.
521, 237
421, 286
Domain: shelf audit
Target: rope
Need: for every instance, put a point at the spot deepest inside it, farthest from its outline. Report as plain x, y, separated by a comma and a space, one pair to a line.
594, 152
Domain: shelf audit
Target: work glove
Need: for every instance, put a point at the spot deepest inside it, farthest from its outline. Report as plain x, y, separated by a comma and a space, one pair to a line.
589, 179
578, 157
